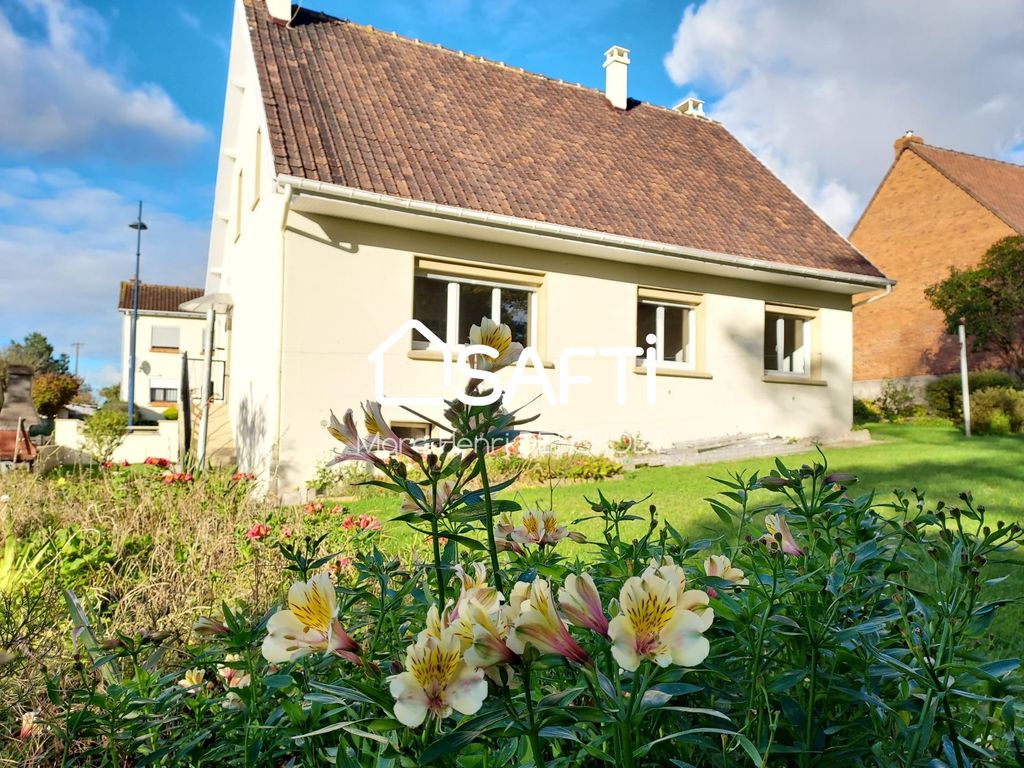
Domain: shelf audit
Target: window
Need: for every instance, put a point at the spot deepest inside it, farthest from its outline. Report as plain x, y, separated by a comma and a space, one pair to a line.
450, 304
165, 337
163, 392
787, 343
257, 160
667, 320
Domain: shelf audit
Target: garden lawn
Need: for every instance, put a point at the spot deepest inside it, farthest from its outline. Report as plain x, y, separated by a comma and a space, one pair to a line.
935, 458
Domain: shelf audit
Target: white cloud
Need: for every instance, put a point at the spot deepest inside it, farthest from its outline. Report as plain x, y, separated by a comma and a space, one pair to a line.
65, 246
819, 91
55, 100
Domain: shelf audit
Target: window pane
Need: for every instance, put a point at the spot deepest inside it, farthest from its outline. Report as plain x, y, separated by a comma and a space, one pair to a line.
474, 306
515, 313
771, 358
430, 307
646, 322
165, 336
675, 337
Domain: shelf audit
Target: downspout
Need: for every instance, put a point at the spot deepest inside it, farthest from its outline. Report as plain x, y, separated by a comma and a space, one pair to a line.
286, 209
876, 297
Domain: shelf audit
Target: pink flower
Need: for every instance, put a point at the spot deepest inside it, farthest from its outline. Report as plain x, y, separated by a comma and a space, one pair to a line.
240, 476
257, 531
581, 603
349, 523
777, 526
286, 532
314, 506
369, 523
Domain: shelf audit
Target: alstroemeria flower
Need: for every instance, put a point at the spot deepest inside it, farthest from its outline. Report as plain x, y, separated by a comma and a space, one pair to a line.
581, 603
660, 620
540, 528
489, 647
233, 676
381, 436
719, 566
356, 448
538, 624
309, 623
777, 525
436, 680
29, 727
192, 680
498, 337
444, 492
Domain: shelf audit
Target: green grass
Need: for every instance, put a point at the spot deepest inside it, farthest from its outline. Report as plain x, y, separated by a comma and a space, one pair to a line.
935, 458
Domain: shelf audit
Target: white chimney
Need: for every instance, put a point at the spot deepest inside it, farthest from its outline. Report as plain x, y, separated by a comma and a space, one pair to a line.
280, 9
616, 65
691, 105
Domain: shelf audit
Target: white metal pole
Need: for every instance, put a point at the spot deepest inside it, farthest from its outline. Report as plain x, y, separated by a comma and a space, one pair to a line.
204, 421
965, 387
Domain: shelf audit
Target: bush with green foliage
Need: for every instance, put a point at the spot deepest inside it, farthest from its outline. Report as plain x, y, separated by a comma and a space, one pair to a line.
104, 431
52, 391
897, 401
865, 411
171, 413
997, 411
944, 396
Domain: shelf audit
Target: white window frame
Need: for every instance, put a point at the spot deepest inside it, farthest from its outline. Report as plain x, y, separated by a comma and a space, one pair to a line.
690, 364
798, 362
452, 319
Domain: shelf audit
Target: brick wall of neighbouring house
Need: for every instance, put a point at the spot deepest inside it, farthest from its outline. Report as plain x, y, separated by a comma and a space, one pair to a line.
918, 226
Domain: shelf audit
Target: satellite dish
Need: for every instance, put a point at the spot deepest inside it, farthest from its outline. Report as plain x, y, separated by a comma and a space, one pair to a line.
145, 368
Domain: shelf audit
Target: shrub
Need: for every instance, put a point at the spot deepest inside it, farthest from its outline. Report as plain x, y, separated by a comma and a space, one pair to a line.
171, 413
897, 401
52, 391
104, 431
997, 411
865, 411
944, 395
629, 444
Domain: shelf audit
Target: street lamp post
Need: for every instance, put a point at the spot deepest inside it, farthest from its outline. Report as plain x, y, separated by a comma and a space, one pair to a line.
138, 225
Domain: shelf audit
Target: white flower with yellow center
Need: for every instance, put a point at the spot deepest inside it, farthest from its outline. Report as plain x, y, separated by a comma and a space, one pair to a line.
309, 623
192, 680
232, 673
720, 567
499, 338
660, 620
540, 528
437, 680
536, 622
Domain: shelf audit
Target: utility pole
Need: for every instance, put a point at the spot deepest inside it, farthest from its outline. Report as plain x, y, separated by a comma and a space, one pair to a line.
78, 346
138, 226
965, 387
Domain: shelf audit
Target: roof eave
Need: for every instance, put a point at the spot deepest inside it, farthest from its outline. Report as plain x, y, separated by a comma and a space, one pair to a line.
842, 282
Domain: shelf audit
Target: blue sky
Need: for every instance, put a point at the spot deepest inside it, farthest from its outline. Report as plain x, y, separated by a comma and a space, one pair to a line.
109, 102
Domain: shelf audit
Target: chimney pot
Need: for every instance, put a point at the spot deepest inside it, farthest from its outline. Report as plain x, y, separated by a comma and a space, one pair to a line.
691, 105
616, 67
905, 141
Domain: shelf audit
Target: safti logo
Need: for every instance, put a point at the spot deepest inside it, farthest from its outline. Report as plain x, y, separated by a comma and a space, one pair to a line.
491, 349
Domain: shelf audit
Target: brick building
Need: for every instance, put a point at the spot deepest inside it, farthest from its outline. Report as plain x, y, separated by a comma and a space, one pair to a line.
935, 209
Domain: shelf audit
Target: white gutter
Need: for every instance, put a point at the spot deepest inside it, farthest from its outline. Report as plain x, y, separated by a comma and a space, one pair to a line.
876, 297
285, 210
561, 231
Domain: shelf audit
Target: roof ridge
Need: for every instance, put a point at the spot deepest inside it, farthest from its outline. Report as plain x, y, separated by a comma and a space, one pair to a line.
1018, 166
142, 284
491, 62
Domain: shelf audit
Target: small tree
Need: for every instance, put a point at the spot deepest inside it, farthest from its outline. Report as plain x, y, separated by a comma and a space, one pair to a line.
111, 392
989, 300
52, 391
36, 352
104, 431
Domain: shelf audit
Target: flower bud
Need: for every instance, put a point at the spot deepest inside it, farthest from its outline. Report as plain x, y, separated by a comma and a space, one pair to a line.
910, 527
207, 626
841, 478
851, 558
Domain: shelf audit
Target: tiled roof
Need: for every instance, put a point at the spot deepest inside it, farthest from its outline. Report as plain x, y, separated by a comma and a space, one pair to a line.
997, 185
353, 106
157, 298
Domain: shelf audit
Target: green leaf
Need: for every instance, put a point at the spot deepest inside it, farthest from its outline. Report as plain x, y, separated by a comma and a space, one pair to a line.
276, 682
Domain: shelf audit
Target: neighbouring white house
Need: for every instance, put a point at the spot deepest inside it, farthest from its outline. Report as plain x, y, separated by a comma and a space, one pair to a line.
366, 179
165, 336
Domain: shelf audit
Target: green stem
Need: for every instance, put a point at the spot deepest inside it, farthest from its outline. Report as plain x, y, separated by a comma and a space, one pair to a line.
438, 570
535, 746
481, 463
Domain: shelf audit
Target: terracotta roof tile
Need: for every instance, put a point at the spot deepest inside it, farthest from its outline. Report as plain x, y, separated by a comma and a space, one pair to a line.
157, 298
997, 185
353, 106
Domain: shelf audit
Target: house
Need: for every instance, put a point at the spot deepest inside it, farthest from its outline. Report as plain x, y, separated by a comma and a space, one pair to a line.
366, 179
163, 334
935, 209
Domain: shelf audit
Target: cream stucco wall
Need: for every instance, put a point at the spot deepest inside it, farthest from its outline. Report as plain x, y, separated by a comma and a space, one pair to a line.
348, 285
155, 367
